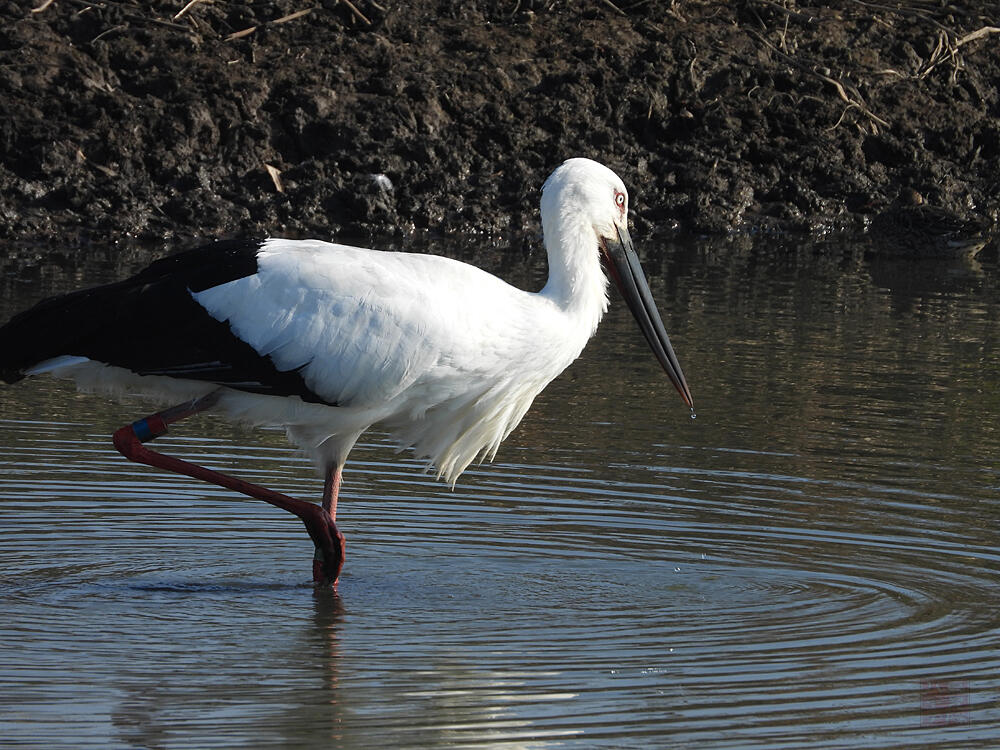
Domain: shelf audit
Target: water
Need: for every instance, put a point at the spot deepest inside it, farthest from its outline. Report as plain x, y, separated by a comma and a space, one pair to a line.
813, 562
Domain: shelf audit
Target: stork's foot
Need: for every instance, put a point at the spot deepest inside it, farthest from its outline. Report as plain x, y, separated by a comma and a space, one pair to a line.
331, 548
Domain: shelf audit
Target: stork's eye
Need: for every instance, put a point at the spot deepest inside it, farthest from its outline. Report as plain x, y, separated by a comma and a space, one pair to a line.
620, 199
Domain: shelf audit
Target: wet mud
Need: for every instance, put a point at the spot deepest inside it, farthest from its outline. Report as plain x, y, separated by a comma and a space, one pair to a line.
302, 118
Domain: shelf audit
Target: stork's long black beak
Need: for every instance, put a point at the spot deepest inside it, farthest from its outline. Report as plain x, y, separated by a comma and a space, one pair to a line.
622, 264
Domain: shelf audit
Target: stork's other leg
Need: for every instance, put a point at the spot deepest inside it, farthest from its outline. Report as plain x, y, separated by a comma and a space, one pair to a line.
318, 519
331, 489
321, 571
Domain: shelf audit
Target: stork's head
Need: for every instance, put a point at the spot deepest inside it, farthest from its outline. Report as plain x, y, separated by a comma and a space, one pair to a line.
585, 205
590, 190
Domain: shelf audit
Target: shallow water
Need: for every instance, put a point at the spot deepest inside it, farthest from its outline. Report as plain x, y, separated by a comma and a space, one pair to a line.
812, 562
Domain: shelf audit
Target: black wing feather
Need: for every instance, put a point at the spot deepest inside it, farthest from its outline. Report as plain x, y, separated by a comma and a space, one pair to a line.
150, 324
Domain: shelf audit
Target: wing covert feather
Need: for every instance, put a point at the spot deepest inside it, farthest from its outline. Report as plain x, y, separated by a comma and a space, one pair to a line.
361, 326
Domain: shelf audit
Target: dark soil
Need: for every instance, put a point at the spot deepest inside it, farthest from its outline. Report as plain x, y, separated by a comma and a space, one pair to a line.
238, 118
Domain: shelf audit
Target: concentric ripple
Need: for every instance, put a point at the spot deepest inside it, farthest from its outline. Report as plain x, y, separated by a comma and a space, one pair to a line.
813, 562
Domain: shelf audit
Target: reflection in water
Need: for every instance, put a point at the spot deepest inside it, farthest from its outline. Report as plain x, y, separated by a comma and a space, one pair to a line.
193, 699
328, 616
810, 562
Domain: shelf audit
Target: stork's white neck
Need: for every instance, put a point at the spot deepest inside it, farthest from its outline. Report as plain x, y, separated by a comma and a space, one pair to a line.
576, 283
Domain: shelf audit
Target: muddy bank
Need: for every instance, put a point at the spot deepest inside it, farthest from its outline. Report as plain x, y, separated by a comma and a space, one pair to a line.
324, 118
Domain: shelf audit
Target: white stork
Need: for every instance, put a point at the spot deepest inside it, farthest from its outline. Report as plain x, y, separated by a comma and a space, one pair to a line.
328, 340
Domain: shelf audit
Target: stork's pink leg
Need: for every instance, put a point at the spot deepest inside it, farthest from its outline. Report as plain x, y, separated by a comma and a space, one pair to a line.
331, 488
319, 520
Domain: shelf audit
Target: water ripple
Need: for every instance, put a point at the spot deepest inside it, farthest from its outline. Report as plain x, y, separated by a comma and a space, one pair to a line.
812, 564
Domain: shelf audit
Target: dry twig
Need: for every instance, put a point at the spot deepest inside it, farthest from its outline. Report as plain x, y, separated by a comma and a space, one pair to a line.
241, 33
354, 9
188, 7
857, 102
977, 34
292, 16
103, 4
275, 177
947, 49
284, 19
613, 7
803, 18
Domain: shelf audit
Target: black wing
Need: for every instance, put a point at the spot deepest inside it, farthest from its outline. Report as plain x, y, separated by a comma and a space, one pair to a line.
150, 324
